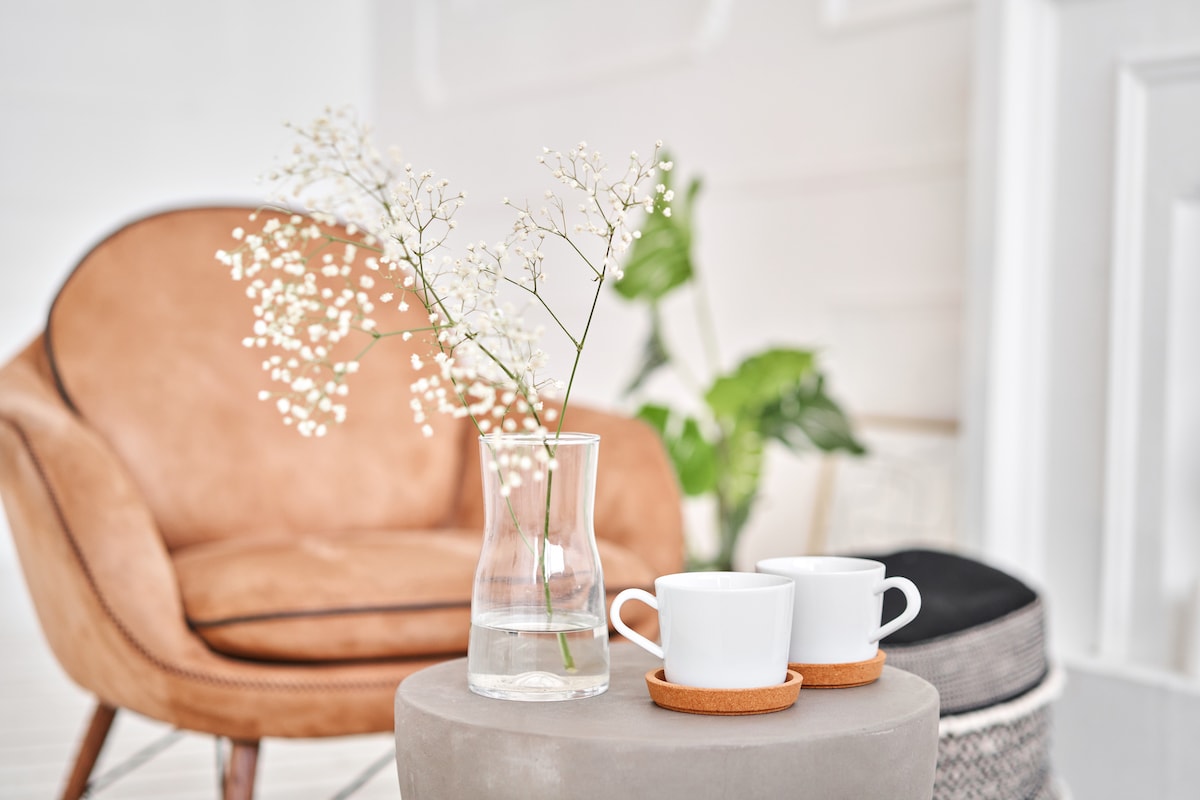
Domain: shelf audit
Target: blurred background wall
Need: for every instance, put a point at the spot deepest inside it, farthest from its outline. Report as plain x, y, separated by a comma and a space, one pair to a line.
115, 110
831, 137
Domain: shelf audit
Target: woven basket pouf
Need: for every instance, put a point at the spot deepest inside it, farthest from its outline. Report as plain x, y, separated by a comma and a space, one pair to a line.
1001, 752
980, 640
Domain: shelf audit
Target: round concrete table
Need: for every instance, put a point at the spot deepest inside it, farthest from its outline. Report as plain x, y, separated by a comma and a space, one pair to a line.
875, 742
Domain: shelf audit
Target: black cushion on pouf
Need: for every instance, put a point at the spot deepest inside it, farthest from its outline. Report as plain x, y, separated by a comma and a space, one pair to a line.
956, 593
980, 636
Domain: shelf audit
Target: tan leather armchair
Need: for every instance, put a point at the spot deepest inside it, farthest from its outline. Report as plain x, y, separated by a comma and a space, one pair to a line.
193, 560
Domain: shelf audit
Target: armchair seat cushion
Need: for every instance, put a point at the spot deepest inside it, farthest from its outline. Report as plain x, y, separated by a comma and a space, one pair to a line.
345, 597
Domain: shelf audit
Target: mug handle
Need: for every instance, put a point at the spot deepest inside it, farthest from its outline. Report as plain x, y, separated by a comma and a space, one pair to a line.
628, 632
911, 608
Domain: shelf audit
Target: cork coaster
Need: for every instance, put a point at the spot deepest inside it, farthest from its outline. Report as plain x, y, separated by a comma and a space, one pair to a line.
841, 676
723, 702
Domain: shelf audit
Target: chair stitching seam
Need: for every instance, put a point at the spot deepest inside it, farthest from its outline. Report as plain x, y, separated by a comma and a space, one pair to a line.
271, 616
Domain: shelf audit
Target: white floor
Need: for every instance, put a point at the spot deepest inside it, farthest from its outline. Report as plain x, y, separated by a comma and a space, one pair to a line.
42, 716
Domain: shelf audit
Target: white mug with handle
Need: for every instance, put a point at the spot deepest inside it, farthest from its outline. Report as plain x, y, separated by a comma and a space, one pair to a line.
839, 607
720, 630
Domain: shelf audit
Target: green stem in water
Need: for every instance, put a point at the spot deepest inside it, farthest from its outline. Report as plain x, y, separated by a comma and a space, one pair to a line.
564, 647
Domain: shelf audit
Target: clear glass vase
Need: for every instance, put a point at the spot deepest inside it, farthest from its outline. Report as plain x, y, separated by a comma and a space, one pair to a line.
539, 630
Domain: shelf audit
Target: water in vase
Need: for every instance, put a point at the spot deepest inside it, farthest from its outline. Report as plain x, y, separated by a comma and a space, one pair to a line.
529, 655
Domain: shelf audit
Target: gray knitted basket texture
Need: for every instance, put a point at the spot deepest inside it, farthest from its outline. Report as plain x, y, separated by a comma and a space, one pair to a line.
999, 753
980, 666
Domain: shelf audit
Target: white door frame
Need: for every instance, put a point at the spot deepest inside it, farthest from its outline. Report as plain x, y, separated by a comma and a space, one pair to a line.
1008, 397
1005, 408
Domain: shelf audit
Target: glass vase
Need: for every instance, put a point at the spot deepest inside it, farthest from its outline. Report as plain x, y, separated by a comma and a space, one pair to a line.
539, 630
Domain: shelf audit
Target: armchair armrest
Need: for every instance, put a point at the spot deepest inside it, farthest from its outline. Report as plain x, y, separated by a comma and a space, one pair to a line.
105, 591
80, 526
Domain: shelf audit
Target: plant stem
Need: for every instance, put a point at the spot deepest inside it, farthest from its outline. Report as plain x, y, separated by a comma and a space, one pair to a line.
564, 647
707, 324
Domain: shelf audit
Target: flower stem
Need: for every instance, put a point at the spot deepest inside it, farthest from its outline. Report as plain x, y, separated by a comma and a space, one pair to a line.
564, 647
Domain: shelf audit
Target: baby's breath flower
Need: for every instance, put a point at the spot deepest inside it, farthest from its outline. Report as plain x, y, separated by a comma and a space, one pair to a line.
315, 286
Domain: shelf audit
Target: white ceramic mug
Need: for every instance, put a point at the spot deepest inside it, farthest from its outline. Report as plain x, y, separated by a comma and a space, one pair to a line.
720, 630
839, 607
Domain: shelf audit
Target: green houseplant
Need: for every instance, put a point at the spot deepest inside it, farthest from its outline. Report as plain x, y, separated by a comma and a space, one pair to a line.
776, 395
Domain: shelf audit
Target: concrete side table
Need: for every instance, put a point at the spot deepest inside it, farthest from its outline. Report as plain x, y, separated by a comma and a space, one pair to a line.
875, 742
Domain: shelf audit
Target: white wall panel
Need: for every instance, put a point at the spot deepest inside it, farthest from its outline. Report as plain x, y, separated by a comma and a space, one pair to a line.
1102, 186
1087, 125
484, 53
854, 14
1150, 564
1180, 564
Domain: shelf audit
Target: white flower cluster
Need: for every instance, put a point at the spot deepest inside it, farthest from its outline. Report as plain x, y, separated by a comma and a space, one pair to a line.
371, 246
300, 314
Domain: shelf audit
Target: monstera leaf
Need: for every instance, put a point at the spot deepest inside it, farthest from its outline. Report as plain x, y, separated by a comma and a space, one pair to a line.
805, 413
759, 381
694, 457
780, 395
661, 260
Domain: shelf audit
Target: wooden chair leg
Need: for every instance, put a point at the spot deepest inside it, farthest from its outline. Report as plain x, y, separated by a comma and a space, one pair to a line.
239, 771
89, 751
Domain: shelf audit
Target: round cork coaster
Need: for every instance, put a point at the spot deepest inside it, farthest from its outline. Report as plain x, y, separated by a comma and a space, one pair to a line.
722, 702
841, 676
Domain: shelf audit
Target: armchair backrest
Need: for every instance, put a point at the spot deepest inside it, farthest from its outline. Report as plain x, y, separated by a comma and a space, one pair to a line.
145, 341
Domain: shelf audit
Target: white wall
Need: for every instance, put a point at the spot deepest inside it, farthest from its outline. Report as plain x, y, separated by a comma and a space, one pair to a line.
831, 136
834, 158
112, 110
832, 139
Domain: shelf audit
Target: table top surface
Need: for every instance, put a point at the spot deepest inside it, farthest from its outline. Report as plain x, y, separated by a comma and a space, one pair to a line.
626, 711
